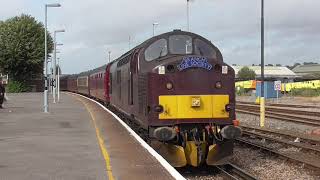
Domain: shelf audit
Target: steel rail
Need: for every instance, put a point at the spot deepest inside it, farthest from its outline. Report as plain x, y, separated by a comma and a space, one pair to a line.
288, 115
235, 172
282, 105
289, 156
310, 139
277, 140
281, 110
305, 122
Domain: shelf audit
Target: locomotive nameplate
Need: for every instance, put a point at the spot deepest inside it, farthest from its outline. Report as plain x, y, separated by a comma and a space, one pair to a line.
194, 62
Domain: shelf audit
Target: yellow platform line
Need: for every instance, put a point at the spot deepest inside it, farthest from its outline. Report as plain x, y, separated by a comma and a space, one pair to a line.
101, 141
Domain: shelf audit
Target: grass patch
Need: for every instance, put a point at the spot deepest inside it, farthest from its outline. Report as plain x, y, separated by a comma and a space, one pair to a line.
306, 92
17, 87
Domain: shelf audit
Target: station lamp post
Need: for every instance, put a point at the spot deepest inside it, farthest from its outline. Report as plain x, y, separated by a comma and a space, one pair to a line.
58, 79
55, 64
109, 52
154, 27
58, 71
188, 14
50, 74
262, 100
45, 93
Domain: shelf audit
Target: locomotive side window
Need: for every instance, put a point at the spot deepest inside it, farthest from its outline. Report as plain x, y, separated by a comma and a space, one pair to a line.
180, 44
204, 49
156, 50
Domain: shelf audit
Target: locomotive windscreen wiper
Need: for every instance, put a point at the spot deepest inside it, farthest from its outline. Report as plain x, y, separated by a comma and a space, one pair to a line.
201, 54
160, 55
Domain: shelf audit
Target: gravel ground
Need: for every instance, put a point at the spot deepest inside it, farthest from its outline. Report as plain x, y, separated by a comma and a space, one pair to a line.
269, 167
206, 177
313, 101
201, 173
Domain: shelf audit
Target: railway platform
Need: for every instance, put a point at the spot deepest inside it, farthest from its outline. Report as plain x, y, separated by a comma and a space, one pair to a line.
77, 139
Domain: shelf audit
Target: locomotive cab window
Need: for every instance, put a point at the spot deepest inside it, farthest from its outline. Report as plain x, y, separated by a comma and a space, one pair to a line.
204, 49
180, 44
156, 50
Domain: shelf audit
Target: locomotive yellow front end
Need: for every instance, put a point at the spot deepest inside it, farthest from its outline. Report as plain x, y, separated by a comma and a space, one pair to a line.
196, 146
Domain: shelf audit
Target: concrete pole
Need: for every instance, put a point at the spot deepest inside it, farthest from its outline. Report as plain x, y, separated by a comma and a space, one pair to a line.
45, 93
50, 77
54, 66
188, 18
58, 81
109, 52
154, 28
262, 100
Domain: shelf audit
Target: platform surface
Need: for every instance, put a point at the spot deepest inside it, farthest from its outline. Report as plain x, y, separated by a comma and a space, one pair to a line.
63, 144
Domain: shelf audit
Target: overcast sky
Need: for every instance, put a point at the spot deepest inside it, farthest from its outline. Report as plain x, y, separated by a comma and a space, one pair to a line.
93, 27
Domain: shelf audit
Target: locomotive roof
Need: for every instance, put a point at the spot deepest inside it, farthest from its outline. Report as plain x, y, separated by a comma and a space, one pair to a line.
86, 73
98, 69
148, 41
144, 44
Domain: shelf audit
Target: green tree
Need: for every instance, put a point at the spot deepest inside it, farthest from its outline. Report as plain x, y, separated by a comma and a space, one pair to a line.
246, 74
22, 47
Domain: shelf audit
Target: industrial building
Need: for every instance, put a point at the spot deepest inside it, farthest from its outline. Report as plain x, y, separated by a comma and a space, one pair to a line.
270, 72
307, 70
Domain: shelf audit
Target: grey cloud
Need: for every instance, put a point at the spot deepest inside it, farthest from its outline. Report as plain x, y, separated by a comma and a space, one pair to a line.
96, 26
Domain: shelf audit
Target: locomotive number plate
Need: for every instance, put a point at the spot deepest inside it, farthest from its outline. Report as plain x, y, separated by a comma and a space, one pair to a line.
195, 102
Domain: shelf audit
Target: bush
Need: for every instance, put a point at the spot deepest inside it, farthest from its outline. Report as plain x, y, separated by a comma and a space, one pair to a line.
17, 87
240, 91
246, 73
306, 92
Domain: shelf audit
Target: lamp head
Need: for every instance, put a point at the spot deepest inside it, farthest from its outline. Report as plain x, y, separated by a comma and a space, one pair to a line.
53, 5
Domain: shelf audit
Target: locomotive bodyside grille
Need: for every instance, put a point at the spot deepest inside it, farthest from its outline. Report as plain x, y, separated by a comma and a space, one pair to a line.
142, 92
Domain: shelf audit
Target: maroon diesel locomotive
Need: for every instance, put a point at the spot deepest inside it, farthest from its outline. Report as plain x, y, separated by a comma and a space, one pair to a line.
177, 87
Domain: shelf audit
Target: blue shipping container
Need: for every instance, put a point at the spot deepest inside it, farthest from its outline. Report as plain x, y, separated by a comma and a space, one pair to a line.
269, 91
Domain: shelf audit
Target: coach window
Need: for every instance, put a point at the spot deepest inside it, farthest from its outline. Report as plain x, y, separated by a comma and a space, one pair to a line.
180, 44
204, 49
156, 50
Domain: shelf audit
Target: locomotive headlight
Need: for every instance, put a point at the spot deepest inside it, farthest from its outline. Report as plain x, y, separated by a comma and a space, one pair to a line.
158, 109
169, 85
218, 85
228, 107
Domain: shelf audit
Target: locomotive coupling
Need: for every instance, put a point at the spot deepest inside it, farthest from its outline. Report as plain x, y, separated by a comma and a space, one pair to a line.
230, 132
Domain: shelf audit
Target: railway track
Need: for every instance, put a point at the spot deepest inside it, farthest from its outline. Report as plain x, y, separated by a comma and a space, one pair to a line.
295, 147
280, 110
232, 171
282, 105
289, 115
227, 171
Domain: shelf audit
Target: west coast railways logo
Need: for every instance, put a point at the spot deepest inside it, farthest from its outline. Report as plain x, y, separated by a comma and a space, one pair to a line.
191, 62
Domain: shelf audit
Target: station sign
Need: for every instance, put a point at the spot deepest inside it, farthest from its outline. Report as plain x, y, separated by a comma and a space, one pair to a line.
277, 85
